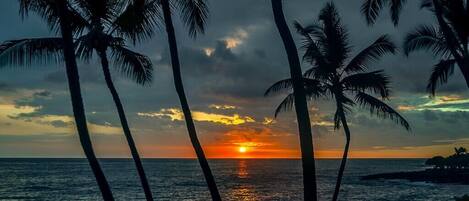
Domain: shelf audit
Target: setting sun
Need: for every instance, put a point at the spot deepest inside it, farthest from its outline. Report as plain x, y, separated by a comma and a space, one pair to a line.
242, 149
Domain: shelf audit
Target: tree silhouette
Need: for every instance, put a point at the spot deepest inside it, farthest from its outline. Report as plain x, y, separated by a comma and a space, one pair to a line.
104, 30
194, 14
371, 9
298, 98
327, 49
448, 41
459, 160
58, 13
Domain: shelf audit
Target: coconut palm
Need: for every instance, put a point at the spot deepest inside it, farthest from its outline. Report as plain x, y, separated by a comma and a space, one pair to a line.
371, 9
58, 11
104, 30
448, 40
194, 14
298, 98
334, 75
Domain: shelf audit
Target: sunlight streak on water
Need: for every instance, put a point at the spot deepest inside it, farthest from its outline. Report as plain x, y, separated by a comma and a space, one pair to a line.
241, 179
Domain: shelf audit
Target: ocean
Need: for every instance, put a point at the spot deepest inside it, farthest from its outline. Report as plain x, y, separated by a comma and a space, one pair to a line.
238, 180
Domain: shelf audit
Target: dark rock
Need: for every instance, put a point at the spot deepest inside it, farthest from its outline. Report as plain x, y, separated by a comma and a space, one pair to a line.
456, 176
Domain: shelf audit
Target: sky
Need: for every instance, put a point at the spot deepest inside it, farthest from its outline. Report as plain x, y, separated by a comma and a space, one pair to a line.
226, 72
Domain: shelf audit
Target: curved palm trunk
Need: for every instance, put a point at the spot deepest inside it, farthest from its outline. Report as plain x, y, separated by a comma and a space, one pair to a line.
185, 105
77, 102
125, 126
344, 158
301, 106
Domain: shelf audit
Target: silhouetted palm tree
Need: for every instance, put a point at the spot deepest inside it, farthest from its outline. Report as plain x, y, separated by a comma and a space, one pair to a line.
449, 40
298, 98
194, 14
58, 13
327, 49
105, 26
371, 9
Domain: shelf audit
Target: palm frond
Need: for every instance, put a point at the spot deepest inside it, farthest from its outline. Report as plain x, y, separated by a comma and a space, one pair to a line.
457, 16
98, 11
133, 65
47, 9
286, 105
84, 47
335, 44
282, 85
375, 82
426, 38
371, 10
312, 87
383, 45
313, 52
31, 51
381, 109
428, 4
194, 14
395, 10
138, 20
440, 74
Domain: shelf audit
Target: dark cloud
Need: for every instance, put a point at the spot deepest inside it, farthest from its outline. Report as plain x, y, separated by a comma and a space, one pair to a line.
235, 76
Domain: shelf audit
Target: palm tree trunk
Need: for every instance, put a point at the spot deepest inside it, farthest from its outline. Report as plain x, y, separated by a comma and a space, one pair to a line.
185, 105
344, 158
452, 42
77, 102
301, 106
125, 126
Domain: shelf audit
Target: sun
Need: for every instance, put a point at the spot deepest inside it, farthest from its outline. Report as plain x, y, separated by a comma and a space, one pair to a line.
242, 149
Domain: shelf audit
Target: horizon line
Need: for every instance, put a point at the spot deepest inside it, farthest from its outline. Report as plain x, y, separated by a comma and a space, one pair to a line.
213, 158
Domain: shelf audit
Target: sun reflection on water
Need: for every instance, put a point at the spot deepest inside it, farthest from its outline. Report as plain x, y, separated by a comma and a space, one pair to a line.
243, 169
243, 191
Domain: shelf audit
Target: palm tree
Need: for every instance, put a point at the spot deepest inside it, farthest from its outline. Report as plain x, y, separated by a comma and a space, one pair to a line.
327, 48
449, 40
298, 98
194, 14
371, 9
57, 11
104, 30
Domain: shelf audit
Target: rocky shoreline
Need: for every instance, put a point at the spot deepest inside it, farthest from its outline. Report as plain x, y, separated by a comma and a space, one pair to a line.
456, 176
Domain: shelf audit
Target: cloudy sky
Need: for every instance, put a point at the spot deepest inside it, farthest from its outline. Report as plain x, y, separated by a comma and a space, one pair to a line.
225, 73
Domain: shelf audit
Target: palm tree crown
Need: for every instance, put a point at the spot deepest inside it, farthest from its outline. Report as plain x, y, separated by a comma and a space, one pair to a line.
448, 40
334, 75
106, 29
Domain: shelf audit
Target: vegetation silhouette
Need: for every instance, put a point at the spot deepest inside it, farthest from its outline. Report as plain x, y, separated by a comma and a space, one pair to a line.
371, 9
448, 41
327, 49
459, 160
298, 98
104, 30
194, 14
60, 17
453, 169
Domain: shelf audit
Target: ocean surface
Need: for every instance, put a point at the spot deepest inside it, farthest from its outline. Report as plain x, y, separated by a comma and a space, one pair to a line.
238, 179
